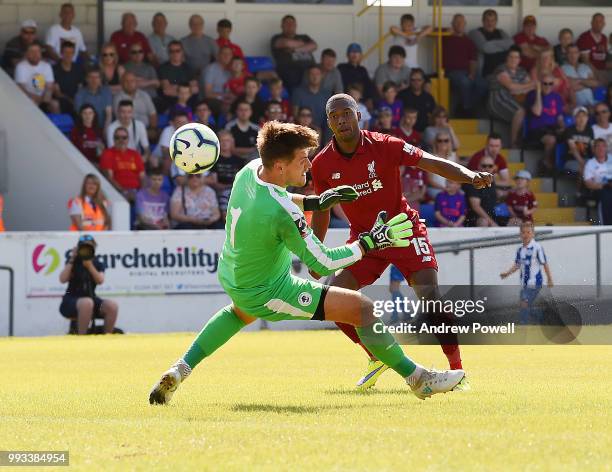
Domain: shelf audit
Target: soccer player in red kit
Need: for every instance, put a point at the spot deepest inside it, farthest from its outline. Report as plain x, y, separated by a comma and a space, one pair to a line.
370, 162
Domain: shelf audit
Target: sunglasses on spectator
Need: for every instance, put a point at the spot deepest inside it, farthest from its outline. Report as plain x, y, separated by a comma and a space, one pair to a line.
108, 54
136, 51
28, 32
487, 166
86, 238
442, 140
121, 137
548, 83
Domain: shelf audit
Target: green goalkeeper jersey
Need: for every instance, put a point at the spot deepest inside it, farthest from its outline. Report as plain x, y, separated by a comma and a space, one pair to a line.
263, 228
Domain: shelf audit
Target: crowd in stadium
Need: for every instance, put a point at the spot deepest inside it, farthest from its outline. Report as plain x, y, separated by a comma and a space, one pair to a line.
120, 108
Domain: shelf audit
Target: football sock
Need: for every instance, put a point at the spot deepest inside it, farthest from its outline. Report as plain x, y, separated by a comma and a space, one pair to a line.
219, 329
349, 331
448, 342
386, 349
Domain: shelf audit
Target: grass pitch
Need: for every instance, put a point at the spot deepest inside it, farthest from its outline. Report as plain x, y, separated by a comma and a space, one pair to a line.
285, 400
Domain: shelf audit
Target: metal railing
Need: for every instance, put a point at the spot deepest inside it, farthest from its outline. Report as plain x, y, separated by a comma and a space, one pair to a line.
11, 298
474, 244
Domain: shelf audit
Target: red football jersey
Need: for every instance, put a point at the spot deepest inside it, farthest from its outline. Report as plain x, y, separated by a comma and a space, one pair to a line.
518, 202
597, 49
374, 171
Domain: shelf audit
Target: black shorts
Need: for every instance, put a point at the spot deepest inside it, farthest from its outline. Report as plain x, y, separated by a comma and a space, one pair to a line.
68, 307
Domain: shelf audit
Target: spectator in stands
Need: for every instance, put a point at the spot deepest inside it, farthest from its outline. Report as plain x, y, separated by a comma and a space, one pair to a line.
162, 153
598, 179
355, 90
450, 206
244, 131
384, 121
174, 72
97, 95
16, 47
580, 76
545, 118
578, 139
442, 147
460, 62
593, 46
235, 85
159, 39
440, 123
406, 130
546, 65
83, 274
312, 95
182, 102
407, 36
521, 201
195, 205
481, 202
144, 110
65, 31
86, 135
224, 30
292, 52
276, 94
566, 38
146, 76
414, 186
127, 36
304, 118
492, 43
390, 100
508, 87
35, 76
394, 70
251, 96
200, 49
215, 76
332, 79
203, 114
418, 98
137, 131
89, 210
353, 72
68, 76
224, 172
274, 112
602, 127
493, 149
152, 203
2, 229
110, 68
123, 167
530, 43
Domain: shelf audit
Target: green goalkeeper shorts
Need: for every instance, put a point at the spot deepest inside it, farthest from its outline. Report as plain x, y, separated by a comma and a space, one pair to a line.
292, 298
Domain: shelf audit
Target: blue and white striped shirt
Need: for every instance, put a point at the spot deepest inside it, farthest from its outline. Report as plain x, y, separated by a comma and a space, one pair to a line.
530, 259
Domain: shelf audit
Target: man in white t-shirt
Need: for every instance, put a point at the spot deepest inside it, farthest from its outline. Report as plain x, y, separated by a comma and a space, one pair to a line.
137, 131
598, 179
407, 35
35, 76
65, 31
603, 128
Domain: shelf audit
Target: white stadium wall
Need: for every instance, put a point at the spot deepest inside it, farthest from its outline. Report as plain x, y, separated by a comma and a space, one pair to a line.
166, 281
43, 168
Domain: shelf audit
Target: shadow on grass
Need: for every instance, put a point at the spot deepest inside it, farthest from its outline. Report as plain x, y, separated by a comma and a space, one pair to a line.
365, 393
283, 409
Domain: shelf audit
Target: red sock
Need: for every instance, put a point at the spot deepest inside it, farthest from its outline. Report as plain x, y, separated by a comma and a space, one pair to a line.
351, 333
453, 354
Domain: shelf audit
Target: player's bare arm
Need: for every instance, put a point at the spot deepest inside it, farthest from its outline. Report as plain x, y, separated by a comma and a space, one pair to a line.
548, 275
453, 171
510, 271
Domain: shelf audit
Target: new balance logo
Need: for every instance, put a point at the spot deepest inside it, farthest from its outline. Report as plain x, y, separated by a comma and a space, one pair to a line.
335, 175
426, 259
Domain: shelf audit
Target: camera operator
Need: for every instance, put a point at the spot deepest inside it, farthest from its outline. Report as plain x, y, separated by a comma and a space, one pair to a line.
83, 272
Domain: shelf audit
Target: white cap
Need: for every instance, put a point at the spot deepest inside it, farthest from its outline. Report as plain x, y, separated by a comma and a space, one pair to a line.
28, 24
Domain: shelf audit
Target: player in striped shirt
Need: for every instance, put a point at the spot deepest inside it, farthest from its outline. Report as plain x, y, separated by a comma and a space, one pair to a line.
530, 260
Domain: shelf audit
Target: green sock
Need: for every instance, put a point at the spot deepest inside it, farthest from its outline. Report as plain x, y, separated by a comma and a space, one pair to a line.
219, 329
385, 348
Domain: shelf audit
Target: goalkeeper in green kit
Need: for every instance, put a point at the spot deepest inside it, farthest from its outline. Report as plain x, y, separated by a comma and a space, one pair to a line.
265, 224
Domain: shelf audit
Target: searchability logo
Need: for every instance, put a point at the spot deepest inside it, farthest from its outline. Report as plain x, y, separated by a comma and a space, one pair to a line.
50, 256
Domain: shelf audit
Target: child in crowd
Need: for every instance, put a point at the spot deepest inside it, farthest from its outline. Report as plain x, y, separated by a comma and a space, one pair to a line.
182, 99
355, 90
235, 85
391, 101
451, 206
276, 94
520, 200
407, 35
384, 123
406, 130
566, 37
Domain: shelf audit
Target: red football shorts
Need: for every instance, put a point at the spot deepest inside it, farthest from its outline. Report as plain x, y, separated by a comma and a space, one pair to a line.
418, 256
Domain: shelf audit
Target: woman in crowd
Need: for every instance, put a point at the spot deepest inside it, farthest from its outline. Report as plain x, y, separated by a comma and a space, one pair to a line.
545, 66
88, 212
195, 205
509, 85
440, 123
442, 147
112, 71
86, 135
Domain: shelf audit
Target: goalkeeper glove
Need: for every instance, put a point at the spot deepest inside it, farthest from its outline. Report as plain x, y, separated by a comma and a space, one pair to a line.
384, 234
329, 198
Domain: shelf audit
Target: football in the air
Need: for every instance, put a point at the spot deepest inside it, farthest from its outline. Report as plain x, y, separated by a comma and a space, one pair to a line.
194, 148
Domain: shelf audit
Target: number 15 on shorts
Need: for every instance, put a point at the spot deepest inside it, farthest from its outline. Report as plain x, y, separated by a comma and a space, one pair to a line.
421, 246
